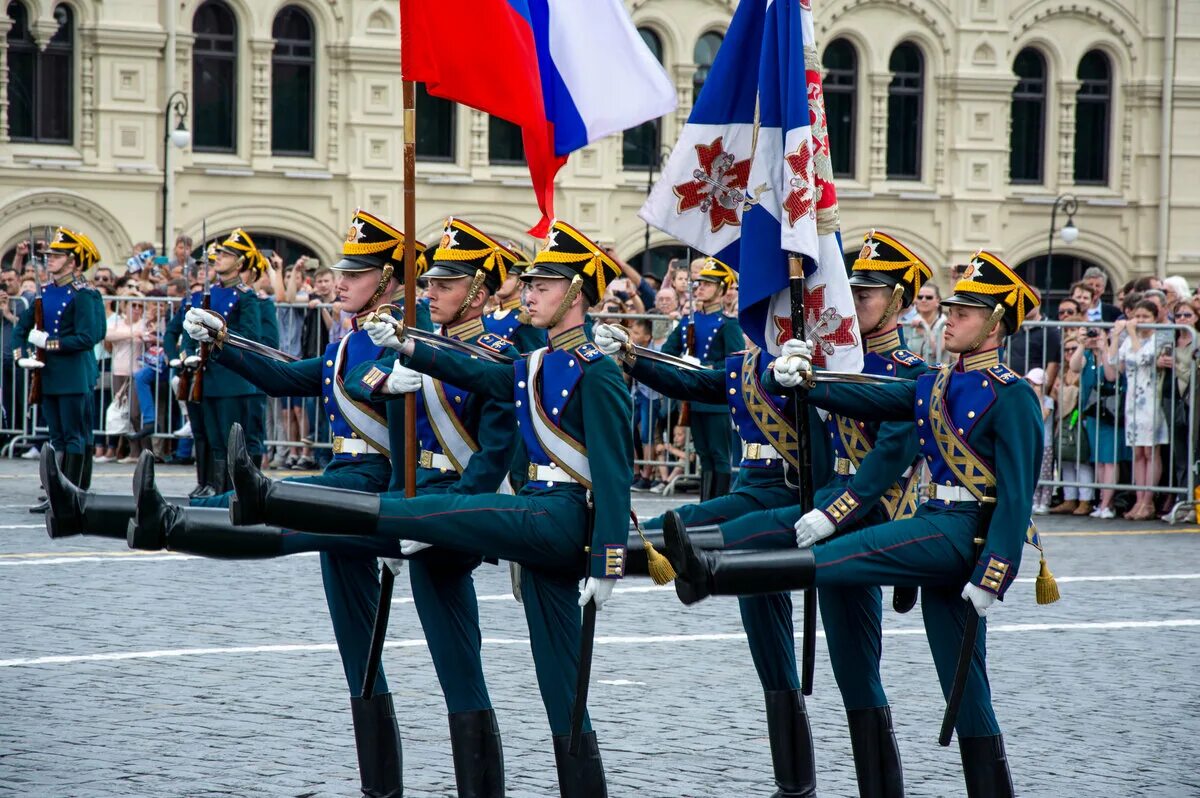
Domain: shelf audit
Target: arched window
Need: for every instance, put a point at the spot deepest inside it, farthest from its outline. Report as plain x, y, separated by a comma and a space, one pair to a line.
292, 64
40, 98
214, 78
435, 126
705, 53
640, 145
1027, 145
905, 96
841, 85
505, 145
1092, 107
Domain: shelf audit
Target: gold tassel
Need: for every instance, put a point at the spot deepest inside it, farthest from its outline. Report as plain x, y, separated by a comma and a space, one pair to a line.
659, 566
1047, 588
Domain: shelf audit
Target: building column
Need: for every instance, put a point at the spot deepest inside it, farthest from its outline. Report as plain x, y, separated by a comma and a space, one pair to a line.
1066, 91
260, 98
877, 85
5, 27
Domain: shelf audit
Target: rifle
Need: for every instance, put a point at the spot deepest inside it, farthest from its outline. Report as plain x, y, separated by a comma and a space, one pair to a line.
39, 323
197, 386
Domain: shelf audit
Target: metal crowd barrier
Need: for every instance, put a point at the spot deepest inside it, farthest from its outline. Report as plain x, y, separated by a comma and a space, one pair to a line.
1088, 459
1097, 415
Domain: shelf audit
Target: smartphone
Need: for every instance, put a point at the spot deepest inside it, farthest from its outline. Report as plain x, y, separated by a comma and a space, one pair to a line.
267, 253
161, 260
312, 264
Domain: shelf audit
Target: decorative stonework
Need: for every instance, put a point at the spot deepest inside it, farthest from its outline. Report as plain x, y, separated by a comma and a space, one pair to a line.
878, 125
260, 96
1066, 92
5, 27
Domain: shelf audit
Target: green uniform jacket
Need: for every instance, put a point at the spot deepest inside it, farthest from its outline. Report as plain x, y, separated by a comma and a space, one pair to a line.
1005, 433
601, 397
717, 337
70, 352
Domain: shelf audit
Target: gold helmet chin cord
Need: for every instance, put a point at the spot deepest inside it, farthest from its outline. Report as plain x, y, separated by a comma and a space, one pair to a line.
892, 309
472, 292
384, 279
993, 320
572, 292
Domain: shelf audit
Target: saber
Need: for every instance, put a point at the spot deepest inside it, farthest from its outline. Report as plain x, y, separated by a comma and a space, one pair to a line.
584, 678
817, 376
222, 336
435, 340
965, 654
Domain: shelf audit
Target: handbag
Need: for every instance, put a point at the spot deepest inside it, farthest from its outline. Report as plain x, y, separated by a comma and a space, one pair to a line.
116, 416
1073, 446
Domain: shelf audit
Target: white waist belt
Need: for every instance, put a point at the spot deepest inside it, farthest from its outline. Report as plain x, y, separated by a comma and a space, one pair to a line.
550, 473
951, 493
354, 446
759, 451
430, 459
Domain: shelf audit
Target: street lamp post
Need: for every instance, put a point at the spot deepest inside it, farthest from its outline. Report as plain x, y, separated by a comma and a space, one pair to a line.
1069, 233
180, 137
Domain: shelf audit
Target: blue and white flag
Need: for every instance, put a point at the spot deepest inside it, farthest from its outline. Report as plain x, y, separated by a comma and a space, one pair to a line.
750, 181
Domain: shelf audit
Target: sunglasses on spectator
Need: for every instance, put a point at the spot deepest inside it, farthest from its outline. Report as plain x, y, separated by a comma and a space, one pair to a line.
926, 296
1066, 312
1185, 314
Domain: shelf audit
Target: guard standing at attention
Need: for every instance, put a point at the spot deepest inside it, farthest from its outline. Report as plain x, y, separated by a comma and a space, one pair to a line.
975, 420
708, 336
569, 520
60, 347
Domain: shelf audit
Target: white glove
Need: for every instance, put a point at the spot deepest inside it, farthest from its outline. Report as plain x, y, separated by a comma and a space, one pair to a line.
383, 332
609, 338
199, 324
30, 363
192, 361
813, 526
175, 363
793, 363
410, 547
597, 590
980, 599
695, 361
38, 338
402, 380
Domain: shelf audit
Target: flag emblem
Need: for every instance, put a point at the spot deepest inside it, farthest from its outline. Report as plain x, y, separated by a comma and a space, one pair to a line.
800, 202
717, 185
827, 329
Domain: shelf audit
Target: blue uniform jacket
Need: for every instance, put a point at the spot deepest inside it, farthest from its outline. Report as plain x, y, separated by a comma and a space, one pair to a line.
717, 336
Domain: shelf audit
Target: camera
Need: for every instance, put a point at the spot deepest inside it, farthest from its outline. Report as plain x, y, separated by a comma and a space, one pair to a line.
1093, 333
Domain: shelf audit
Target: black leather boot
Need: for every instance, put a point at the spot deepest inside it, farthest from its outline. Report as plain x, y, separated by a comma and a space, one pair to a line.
71, 467
701, 574
985, 767
904, 599
377, 739
72, 511
478, 754
218, 476
580, 776
200, 452
791, 744
721, 483
294, 505
876, 755
206, 531
702, 537
706, 485
85, 475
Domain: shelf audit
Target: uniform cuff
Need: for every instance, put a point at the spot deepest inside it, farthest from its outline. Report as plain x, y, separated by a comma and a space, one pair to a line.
994, 574
844, 509
608, 562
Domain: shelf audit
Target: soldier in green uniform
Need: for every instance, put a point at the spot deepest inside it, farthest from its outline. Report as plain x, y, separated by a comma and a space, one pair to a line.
227, 396
511, 320
72, 324
350, 574
708, 336
182, 354
268, 332
571, 517
974, 420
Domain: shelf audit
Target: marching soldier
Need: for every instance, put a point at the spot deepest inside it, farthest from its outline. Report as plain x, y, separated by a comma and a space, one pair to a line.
510, 320
182, 354
366, 280
268, 331
58, 335
570, 519
974, 421
709, 336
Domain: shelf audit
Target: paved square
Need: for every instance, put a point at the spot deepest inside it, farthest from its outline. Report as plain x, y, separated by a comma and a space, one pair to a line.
126, 674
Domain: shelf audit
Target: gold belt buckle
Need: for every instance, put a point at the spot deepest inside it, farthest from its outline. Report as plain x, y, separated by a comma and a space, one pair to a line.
841, 466
752, 451
531, 473
337, 444
426, 459
931, 490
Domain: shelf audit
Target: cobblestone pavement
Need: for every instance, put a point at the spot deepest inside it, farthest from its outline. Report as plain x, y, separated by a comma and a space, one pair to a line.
160, 675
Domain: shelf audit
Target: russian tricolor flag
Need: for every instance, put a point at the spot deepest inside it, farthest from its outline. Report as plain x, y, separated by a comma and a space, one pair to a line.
750, 181
568, 72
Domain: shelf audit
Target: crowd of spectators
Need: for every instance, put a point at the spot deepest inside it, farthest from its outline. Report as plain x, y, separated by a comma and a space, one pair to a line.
1115, 391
